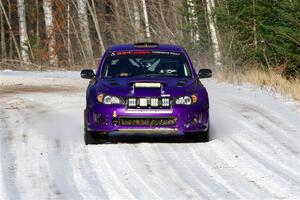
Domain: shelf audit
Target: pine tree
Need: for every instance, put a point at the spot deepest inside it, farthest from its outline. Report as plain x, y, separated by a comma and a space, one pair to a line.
258, 31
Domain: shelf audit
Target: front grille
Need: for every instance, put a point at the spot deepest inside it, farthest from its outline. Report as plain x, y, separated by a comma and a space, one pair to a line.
147, 121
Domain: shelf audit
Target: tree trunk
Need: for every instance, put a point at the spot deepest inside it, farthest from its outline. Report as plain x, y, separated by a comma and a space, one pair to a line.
3, 45
96, 23
84, 29
254, 23
137, 20
193, 20
23, 31
69, 47
128, 12
37, 23
174, 15
213, 33
13, 39
118, 25
10, 39
47, 6
147, 27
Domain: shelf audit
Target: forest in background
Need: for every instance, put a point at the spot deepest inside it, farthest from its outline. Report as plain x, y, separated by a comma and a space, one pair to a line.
70, 34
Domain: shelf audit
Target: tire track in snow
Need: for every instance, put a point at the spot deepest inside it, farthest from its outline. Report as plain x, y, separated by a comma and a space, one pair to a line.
272, 125
116, 187
151, 193
30, 175
185, 177
265, 138
144, 170
278, 168
8, 159
250, 168
210, 173
159, 168
55, 154
262, 134
266, 146
189, 167
68, 158
257, 111
256, 119
275, 124
239, 183
84, 175
166, 174
35, 148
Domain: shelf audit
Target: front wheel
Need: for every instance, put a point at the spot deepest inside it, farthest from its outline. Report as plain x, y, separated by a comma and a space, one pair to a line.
198, 136
93, 137
89, 138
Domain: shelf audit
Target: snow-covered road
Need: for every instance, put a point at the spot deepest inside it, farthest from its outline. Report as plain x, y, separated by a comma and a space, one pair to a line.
254, 152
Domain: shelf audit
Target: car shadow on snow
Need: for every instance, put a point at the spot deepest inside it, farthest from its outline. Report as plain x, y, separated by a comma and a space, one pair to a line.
146, 138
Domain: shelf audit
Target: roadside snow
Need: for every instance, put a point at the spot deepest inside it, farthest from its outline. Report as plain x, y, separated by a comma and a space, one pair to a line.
254, 152
54, 78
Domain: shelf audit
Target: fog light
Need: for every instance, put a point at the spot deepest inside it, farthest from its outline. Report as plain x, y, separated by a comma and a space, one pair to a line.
165, 102
154, 102
143, 102
132, 102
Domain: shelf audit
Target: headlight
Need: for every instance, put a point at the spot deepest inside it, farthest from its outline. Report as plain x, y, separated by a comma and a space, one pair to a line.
107, 99
186, 100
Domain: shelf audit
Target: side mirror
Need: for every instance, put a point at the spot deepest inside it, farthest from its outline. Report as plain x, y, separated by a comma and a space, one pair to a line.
204, 73
87, 74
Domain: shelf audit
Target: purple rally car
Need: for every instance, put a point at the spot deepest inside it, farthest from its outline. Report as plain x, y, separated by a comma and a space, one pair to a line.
146, 88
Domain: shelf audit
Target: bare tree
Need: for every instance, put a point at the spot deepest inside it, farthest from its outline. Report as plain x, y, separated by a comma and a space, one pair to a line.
193, 20
213, 33
254, 23
12, 37
23, 30
147, 26
3, 44
93, 12
47, 7
137, 20
84, 29
37, 22
69, 47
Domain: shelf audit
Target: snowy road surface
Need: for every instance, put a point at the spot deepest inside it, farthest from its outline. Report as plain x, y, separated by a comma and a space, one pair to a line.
254, 152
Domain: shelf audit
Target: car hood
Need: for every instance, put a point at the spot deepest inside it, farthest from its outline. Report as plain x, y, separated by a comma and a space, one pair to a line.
170, 86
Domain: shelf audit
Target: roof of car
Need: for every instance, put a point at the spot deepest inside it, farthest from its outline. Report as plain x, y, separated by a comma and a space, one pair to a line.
144, 46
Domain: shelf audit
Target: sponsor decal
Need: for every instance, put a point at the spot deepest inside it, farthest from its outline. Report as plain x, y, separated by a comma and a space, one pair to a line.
123, 53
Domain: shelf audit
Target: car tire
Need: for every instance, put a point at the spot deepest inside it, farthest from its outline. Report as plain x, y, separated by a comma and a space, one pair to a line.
89, 138
94, 137
202, 136
102, 137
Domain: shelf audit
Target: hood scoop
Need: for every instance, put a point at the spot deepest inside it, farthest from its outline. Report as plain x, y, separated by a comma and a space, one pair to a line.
147, 88
147, 85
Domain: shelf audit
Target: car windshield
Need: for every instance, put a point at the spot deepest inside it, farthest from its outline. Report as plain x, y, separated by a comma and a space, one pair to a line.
145, 64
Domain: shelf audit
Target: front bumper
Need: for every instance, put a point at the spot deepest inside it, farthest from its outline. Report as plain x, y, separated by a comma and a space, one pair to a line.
108, 118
